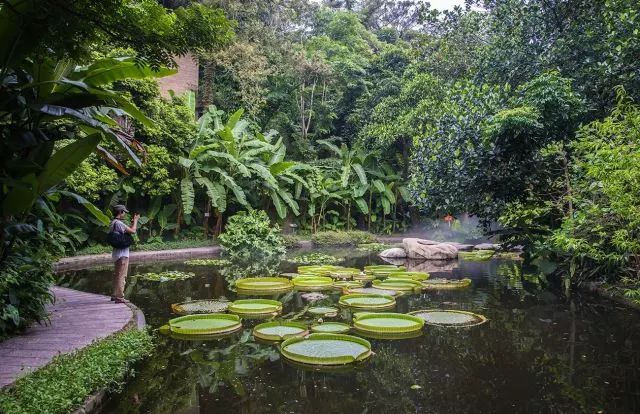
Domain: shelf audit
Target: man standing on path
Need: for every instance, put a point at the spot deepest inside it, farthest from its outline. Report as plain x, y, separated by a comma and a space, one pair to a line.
121, 255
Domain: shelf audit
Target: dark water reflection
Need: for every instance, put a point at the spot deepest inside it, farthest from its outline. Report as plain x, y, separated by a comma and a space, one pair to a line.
539, 353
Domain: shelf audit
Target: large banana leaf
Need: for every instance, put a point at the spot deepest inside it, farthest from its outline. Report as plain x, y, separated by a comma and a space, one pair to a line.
188, 195
108, 71
91, 208
66, 160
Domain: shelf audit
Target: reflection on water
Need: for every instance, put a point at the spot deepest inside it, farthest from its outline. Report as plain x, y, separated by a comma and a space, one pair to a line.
537, 354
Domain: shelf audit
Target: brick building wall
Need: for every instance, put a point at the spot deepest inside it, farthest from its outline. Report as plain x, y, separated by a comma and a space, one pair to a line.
185, 79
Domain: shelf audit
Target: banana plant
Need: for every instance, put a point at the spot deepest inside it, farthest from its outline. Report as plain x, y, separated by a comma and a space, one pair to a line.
53, 116
234, 164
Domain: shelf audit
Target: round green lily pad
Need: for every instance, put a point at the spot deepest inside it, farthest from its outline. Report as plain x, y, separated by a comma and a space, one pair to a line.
419, 276
263, 285
403, 285
326, 349
387, 323
327, 311
200, 306
344, 273
312, 283
367, 301
383, 270
331, 327
212, 323
279, 330
256, 307
364, 277
443, 284
347, 284
372, 290
450, 318
476, 255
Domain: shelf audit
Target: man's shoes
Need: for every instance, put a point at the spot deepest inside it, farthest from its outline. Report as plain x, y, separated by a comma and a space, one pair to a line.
120, 300
113, 298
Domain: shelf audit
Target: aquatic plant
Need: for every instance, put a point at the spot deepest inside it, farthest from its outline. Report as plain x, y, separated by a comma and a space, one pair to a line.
387, 323
279, 330
256, 307
476, 255
263, 285
201, 306
374, 247
403, 285
327, 311
443, 284
326, 349
207, 262
315, 259
166, 276
311, 283
449, 317
331, 327
367, 301
213, 323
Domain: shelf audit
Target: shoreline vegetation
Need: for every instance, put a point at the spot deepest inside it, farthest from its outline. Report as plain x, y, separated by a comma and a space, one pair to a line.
65, 384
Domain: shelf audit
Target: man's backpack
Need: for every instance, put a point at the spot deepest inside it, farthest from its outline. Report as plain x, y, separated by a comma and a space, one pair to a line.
118, 240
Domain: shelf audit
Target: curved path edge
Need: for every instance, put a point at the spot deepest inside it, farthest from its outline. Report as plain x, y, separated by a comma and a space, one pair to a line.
76, 319
79, 262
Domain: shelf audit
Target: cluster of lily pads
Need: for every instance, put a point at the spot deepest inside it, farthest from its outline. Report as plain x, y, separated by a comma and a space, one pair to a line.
207, 262
320, 340
374, 247
314, 259
165, 276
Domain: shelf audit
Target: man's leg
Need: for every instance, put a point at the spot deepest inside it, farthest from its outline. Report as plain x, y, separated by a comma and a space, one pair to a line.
122, 266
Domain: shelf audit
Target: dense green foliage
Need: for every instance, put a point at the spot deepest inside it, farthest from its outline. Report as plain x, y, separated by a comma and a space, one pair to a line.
251, 235
59, 104
65, 383
342, 238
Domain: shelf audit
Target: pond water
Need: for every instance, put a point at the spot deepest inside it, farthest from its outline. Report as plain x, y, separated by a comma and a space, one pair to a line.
539, 352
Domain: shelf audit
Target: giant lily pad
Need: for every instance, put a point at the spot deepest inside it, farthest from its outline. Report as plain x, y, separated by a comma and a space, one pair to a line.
209, 324
476, 255
450, 318
444, 284
364, 277
279, 330
201, 306
372, 290
383, 270
419, 276
327, 311
312, 283
256, 307
367, 301
347, 284
402, 285
331, 327
263, 285
387, 323
344, 273
326, 349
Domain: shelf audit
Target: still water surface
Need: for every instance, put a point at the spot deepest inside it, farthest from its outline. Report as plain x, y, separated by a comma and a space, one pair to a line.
539, 352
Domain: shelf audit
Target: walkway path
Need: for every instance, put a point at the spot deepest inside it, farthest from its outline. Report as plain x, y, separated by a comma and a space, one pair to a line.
76, 320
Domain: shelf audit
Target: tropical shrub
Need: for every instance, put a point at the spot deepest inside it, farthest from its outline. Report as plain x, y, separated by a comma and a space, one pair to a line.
251, 235
68, 380
25, 279
342, 238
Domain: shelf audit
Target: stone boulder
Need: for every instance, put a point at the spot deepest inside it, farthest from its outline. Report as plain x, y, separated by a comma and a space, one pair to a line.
427, 242
394, 253
417, 250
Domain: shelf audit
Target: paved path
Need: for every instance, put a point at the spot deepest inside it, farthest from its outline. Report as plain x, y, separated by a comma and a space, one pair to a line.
76, 320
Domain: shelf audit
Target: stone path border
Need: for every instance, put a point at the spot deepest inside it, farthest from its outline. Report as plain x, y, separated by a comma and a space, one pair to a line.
80, 262
76, 320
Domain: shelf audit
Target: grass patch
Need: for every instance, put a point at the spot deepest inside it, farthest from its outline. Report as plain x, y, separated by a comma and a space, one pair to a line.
147, 247
342, 238
65, 383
